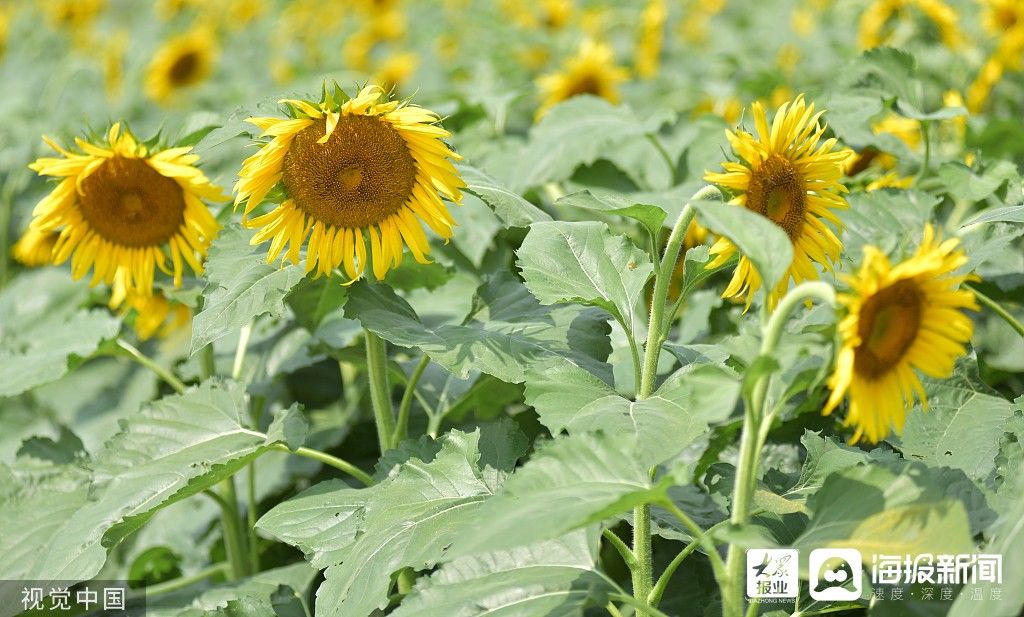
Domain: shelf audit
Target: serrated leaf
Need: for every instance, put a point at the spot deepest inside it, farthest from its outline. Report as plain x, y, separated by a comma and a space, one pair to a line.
576, 132
172, 449
513, 210
506, 331
757, 237
555, 578
584, 263
570, 482
241, 286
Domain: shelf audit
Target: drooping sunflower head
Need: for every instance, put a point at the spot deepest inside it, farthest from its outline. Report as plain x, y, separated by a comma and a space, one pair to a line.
35, 248
591, 71
182, 62
900, 319
122, 207
356, 176
788, 174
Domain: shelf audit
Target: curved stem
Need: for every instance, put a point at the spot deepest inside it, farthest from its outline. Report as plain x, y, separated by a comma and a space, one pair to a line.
327, 459
402, 426
659, 587
627, 555
380, 391
187, 580
998, 309
148, 362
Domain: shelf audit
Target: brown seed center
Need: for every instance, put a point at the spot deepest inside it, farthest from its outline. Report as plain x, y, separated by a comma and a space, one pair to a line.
185, 69
586, 84
361, 176
889, 322
129, 203
777, 191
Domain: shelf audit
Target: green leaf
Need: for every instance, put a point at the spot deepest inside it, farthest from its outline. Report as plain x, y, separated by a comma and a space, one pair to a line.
584, 263
962, 426
568, 398
322, 521
289, 426
1007, 214
874, 509
315, 300
651, 216
408, 521
241, 286
172, 449
758, 238
513, 210
506, 330
571, 482
555, 578
43, 333
577, 132
964, 184
886, 219
824, 456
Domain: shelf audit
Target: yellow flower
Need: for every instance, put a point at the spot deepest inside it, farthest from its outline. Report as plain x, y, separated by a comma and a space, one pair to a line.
729, 109
1004, 20
182, 62
121, 208
899, 319
787, 174
651, 36
35, 248
113, 62
351, 173
591, 71
396, 69
890, 180
156, 315
550, 14
875, 19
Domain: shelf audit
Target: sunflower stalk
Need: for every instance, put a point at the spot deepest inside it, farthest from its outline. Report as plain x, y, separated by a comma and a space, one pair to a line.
380, 390
750, 438
144, 360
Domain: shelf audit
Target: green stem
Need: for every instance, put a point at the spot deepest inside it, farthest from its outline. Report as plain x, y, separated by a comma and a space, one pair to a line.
643, 572
642, 608
997, 309
750, 444
148, 362
380, 391
627, 555
926, 162
613, 610
704, 539
406, 580
255, 411
207, 361
243, 344
402, 427
186, 581
327, 459
230, 524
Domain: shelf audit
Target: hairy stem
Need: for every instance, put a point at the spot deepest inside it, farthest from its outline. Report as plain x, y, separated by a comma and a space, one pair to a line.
380, 391
402, 427
327, 459
149, 363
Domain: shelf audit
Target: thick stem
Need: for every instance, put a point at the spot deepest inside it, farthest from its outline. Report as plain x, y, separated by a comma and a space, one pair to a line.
207, 361
998, 309
187, 580
243, 345
233, 544
402, 427
380, 391
148, 362
643, 575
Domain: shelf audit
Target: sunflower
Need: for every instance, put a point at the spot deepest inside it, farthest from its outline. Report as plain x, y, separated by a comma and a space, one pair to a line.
874, 21
651, 35
591, 71
790, 176
156, 315
182, 62
899, 318
351, 172
120, 208
1004, 21
396, 69
35, 248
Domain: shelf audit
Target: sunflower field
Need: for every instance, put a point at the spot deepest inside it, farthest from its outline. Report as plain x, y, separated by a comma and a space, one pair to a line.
512, 308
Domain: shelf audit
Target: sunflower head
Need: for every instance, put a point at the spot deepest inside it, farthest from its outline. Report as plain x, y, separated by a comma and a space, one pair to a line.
122, 207
788, 174
181, 63
356, 176
899, 320
591, 71
35, 248
156, 315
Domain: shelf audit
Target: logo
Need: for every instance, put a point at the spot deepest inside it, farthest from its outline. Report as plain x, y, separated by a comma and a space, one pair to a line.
772, 573
835, 574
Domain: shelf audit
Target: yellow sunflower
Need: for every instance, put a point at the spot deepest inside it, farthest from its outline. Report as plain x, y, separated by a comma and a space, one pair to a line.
121, 207
35, 248
874, 21
792, 177
156, 315
899, 319
591, 71
182, 62
351, 172
651, 35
